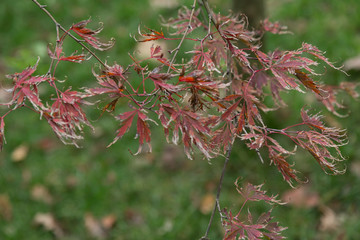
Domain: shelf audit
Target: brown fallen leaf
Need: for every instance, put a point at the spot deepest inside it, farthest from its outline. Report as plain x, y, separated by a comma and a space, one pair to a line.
5, 207
355, 168
108, 222
20, 153
48, 221
207, 203
301, 197
164, 3
41, 193
133, 217
329, 221
71, 181
94, 227
352, 63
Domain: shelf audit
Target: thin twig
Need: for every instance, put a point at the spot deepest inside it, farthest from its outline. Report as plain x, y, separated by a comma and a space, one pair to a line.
213, 20
217, 201
176, 50
58, 25
209, 12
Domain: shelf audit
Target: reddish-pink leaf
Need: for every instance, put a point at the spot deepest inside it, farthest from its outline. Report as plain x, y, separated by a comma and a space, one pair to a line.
151, 36
126, 121
230, 110
254, 193
274, 28
90, 35
2, 133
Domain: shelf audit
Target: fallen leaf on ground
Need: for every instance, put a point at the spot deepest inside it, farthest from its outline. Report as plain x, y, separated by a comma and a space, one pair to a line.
207, 203
164, 3
48, 221
108, 222
355, 168
5, 207
94, 227
41, 193
352, 63
133, 217
301, 197
71, 181
329, 221
20, 153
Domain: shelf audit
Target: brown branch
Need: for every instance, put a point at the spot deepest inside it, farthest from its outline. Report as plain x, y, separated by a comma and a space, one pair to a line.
217, 201
58, 25
213, 20
205, 3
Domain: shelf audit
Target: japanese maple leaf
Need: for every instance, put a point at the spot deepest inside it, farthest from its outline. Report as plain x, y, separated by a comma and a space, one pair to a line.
202, 85
60, 56
248, 229
190, 124
2, 133
286, 170
111, 82
157, 54
274, 27
202, 59
90, 35
142, 127
254, 193
25, 87
160, 81
152, 35
181, 22
68, 108
66, 118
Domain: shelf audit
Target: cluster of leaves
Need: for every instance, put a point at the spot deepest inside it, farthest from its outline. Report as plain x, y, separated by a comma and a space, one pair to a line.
264, 227
208, 101
205, 102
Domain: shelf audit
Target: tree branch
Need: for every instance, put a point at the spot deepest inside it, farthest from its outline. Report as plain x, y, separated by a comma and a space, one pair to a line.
176, 50
217, 201
58, 25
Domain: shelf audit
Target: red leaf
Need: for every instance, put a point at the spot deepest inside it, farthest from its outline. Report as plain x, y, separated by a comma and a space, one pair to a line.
127, 119
274, 28
186, 79
181, 23
230, 110
142, 128
74, 58
254, 193
203, 59
307, 81
283, 166
90, 35
111, 82
2, 133
151, 36
25, 87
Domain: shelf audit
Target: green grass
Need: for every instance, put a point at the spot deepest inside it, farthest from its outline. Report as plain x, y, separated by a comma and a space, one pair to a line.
151, 196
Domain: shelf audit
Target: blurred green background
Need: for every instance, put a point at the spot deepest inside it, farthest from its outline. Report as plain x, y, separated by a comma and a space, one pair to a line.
49, 191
